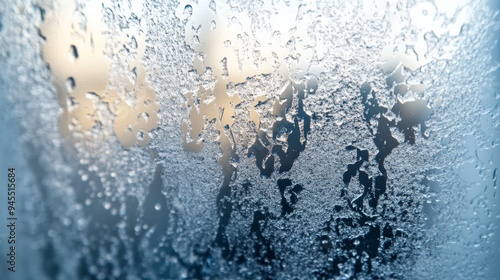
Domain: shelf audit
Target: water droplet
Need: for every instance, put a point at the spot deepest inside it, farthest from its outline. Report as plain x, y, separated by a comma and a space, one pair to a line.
73, 52
70, 84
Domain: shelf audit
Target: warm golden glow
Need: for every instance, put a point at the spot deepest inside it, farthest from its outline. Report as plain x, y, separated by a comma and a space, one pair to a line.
75, 51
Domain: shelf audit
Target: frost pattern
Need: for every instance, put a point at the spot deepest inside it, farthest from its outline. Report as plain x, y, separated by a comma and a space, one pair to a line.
75, 50
232, 51
356, 140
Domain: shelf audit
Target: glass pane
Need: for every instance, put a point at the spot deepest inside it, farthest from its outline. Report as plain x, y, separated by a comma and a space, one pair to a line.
249, 139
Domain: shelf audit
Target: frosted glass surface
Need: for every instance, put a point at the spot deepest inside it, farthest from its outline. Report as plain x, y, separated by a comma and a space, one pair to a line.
251, 139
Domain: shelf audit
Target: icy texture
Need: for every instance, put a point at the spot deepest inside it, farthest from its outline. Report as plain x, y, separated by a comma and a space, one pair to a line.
74, 49
254, 140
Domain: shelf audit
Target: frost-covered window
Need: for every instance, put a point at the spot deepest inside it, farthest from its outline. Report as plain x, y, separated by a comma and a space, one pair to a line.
249, 139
